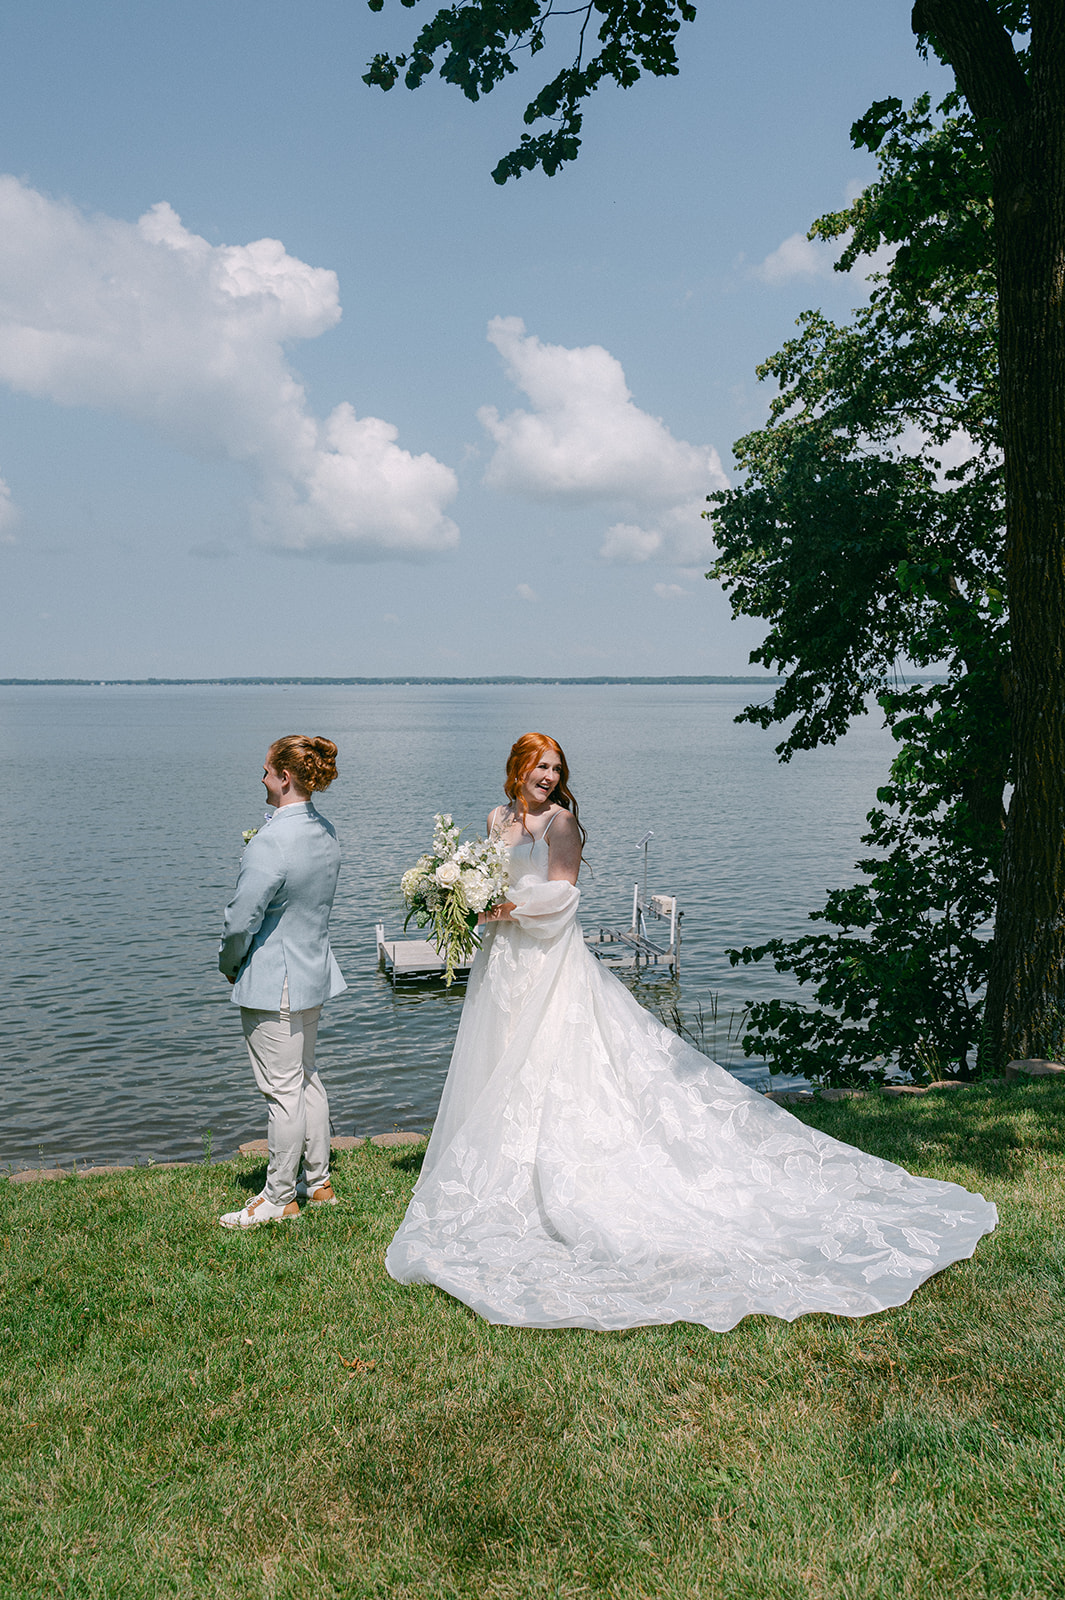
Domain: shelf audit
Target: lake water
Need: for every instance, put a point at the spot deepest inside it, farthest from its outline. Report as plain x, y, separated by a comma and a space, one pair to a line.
123, 845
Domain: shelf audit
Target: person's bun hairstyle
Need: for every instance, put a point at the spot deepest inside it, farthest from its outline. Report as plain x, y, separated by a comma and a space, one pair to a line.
312, 763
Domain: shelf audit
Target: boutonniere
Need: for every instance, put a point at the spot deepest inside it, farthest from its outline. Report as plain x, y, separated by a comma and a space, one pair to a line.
249, 834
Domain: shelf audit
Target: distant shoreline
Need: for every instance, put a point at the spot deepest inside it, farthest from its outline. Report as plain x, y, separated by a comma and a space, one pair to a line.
323, 683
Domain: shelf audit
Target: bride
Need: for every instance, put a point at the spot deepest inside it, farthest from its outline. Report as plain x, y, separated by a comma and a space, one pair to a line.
588, 1168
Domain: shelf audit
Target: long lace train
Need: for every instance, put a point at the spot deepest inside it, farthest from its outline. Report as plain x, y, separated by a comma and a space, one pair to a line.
588, 1168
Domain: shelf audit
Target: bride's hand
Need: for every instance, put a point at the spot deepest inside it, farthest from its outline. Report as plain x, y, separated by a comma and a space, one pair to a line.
497, 913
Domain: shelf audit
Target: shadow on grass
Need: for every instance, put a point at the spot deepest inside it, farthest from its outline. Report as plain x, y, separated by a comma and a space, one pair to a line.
995, 1132
408, 1161
253, 1180
405, 1163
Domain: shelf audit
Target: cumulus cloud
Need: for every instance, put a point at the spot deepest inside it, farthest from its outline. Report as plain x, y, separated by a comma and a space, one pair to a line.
584, 441
798, 257
670, 591
627, 541
679, 535
524, 591
151, 321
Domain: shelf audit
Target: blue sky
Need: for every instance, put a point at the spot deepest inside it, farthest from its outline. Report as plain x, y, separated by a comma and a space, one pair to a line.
289, 385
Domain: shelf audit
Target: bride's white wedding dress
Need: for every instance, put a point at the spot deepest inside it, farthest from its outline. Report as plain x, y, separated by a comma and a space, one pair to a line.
588, 1168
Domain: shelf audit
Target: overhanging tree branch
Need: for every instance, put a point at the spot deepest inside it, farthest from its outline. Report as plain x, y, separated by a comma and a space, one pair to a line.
477, 43
974, 39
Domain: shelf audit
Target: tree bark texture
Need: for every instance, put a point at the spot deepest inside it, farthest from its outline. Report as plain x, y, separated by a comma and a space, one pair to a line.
1023, 119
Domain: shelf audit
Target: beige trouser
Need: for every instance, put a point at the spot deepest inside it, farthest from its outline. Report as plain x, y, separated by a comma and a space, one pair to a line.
281, 1046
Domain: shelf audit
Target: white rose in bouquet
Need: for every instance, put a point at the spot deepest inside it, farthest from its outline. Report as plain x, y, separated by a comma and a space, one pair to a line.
448, 874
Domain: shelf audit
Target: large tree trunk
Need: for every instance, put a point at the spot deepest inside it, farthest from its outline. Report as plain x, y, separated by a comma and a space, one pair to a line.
1024, 122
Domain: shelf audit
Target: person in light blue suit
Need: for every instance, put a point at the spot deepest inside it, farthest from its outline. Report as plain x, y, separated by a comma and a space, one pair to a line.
275, 952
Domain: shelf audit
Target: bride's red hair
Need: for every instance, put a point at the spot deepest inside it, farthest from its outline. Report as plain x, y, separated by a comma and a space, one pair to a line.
524, 754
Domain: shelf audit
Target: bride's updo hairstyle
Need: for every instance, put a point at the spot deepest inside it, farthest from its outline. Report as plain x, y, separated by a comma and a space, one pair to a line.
524, 755
312, 763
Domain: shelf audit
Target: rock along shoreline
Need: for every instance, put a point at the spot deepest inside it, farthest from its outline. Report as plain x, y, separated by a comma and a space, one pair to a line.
1037, 1067
251, 1147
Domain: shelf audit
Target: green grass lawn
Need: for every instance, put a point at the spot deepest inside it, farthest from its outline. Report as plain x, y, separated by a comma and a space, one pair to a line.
187, 1411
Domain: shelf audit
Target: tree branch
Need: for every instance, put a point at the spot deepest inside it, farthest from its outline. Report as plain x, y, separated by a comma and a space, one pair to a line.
970, 38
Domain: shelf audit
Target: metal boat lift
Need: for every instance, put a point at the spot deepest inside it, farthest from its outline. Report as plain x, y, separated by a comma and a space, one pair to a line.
652, 939
650, 944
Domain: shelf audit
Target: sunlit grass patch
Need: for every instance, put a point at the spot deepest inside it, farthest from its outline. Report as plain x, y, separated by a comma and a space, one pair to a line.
191, 1412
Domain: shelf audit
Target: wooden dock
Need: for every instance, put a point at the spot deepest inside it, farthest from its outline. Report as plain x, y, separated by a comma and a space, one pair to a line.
410, 958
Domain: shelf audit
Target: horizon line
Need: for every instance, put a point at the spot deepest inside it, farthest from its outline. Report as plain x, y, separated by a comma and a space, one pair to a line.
401, 680
408, 681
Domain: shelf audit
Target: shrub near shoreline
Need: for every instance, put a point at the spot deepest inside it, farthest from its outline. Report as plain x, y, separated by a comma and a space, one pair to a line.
189, 1413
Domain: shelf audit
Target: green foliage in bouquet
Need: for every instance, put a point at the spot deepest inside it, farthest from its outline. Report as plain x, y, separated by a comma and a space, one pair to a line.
454, 931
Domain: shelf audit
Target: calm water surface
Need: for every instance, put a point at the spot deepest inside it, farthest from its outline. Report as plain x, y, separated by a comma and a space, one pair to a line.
124, 846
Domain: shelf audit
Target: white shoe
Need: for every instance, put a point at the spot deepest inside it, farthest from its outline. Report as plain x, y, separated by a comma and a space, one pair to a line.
259, 1210
322, 1196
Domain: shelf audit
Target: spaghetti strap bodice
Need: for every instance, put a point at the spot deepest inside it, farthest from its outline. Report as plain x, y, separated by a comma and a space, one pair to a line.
528, 856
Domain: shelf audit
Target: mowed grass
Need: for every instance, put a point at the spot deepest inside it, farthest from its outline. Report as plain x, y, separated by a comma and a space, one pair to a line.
191, 1412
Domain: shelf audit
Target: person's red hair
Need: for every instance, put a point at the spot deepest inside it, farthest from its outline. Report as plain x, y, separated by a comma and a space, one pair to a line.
312, 762
524, 755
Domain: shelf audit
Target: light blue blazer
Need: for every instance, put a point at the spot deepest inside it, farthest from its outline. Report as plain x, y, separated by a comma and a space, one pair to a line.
277, 923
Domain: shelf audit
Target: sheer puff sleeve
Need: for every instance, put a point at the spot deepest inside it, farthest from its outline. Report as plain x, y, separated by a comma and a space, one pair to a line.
543, 909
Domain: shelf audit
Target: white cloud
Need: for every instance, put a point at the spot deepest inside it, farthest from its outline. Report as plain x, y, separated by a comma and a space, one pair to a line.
525, 592
798, 257
586, 442
585, 438
148, 320
679, 535
671, 591
627, 542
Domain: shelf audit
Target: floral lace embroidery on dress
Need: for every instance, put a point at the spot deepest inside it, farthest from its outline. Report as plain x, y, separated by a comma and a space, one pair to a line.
590, 1169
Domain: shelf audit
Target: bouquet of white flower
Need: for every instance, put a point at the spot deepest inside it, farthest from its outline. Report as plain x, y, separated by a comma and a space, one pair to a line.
450, 887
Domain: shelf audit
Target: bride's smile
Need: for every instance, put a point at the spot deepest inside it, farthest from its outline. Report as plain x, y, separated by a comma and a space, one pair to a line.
541, 782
